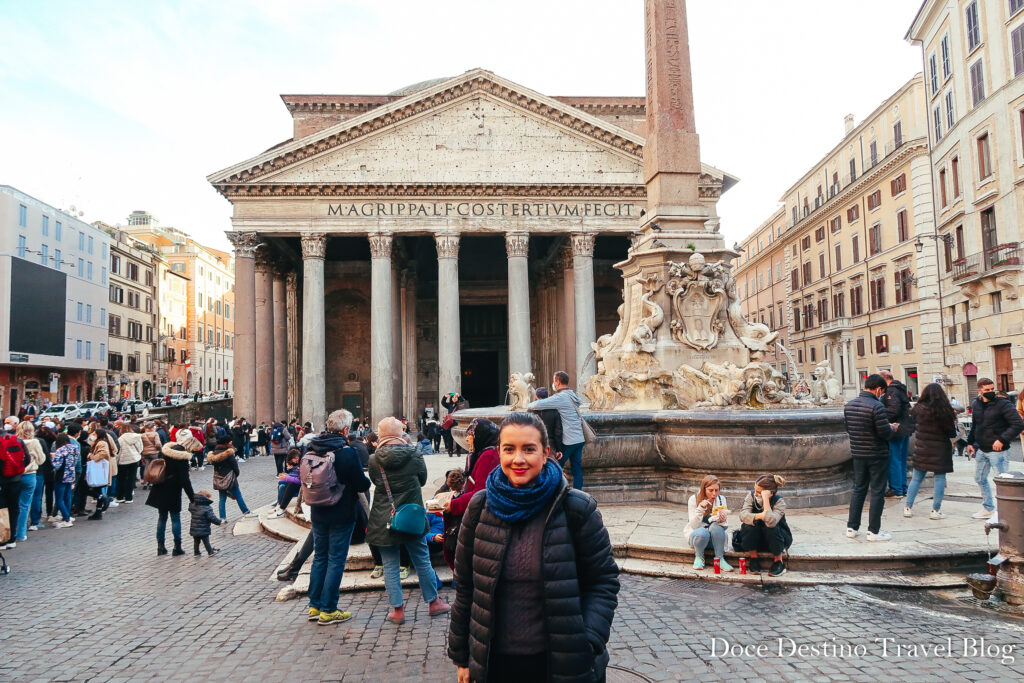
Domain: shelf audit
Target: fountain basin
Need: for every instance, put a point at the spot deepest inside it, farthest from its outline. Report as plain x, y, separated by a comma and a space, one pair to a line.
662, 455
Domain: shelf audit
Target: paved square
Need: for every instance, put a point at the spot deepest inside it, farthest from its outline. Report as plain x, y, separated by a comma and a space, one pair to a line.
95, 603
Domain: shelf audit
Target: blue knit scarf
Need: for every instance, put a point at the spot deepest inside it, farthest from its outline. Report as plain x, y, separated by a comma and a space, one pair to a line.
513, 504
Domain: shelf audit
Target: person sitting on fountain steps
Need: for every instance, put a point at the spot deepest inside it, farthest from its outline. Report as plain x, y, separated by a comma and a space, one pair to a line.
707, 513
764, 526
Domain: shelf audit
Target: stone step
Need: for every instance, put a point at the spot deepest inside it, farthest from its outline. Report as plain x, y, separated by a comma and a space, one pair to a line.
884, 578
357, 580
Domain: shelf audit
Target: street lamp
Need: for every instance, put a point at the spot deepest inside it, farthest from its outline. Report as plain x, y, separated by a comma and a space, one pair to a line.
947, 239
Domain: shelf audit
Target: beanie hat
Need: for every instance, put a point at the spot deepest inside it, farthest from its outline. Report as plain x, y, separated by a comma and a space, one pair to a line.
390, 431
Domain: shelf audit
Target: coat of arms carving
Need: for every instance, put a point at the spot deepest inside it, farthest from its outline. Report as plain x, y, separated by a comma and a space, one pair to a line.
698, 296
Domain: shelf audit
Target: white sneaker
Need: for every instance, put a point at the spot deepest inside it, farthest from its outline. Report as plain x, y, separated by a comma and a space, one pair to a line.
53, 518
936, 515
982, 514
907, 512
852, 533
62, 525
113, 504
127, 502
274, 515
203, 468
33, 528
880, 536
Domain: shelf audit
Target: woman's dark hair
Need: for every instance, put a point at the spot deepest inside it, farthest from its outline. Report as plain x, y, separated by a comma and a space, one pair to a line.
524, 419
127, 427
485, 435
294, 455
62, 440
934, 403
770, 482
100, 433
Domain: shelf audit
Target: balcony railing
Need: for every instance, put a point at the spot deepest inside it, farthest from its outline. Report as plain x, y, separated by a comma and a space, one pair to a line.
967, 267
837, 324
1003, 256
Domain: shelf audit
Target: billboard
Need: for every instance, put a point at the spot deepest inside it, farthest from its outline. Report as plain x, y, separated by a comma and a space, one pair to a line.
38, 308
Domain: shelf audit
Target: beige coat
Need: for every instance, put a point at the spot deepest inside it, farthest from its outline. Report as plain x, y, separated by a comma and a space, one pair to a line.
37, 454
131, 448
100, 451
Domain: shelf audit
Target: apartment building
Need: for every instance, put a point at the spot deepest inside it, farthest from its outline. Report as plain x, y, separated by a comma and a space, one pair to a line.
53, 315
973, 56
132, 316
846, 265
173, 329
209, 274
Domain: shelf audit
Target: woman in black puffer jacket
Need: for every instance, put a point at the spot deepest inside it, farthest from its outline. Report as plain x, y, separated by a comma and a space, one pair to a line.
933, 449
536, 583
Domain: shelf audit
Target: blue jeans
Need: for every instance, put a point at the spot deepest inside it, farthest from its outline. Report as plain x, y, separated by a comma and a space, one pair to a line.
714, 534
161, 526
28, 489
899, 449
420, 557
237, 493
915, 484
983, 462
330, 551
574, 456
36, 511
62, 499
247, 450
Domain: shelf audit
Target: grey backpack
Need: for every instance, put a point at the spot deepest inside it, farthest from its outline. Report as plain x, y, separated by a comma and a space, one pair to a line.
320, 485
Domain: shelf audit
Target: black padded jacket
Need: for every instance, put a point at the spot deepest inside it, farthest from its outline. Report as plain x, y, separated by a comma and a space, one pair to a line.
997, 420
580, 588
868, 426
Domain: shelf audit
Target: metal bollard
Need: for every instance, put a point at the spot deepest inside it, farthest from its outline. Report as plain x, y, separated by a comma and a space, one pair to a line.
1010, 504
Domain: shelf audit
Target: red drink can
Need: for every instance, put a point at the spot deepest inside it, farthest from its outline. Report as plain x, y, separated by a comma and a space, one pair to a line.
718, 566
743, 565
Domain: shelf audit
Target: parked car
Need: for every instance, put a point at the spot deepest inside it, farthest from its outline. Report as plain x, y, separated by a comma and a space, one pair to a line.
67, 411
126, 406
95, 408
180, 399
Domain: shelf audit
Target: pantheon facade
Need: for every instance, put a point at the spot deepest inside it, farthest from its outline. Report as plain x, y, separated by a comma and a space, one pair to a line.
398, 247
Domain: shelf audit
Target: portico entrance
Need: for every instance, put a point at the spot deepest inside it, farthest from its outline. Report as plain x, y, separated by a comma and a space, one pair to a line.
484, 354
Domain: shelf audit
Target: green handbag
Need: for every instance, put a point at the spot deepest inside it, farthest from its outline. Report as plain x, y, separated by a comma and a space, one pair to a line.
408, 519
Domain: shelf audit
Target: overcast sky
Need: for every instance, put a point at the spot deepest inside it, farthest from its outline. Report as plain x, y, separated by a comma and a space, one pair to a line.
115, 106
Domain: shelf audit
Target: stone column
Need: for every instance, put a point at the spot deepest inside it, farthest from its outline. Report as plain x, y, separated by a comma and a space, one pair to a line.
851, 376
566, 321
292, 312
314, 360
245, 324
381, 344
396, 341
264, 337
409, 356
449, 335
517, 245
280, 345
586, 322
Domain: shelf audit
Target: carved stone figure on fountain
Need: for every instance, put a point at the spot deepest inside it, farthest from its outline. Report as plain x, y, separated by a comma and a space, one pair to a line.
643, 337
521, 390
825, 388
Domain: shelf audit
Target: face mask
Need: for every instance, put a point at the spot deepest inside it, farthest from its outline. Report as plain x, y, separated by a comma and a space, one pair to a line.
989, 395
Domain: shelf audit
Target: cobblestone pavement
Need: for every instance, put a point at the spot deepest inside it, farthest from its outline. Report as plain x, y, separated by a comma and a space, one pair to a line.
95, 603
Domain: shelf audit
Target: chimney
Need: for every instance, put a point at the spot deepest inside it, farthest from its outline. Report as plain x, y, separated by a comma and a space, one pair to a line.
848, 123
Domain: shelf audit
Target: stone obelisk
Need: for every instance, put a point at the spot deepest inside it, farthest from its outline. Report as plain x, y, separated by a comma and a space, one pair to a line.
675, 216
679, 308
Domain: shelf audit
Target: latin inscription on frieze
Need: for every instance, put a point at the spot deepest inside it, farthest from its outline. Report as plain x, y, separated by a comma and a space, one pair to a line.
483, 210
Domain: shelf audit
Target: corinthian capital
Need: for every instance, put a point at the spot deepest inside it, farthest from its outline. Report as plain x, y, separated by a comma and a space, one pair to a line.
314, 244
517, 243
447, 244
243, 242
291, 280
380, 244
265, 260
583, 244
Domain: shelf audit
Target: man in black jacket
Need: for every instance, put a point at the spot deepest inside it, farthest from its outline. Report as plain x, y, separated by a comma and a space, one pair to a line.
897, 406
995, 423
870, 433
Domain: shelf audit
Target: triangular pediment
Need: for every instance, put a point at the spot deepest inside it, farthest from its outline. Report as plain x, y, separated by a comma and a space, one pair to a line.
475, 128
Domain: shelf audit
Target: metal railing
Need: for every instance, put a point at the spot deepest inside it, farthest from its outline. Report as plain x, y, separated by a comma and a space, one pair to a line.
1002, 255
968, 266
